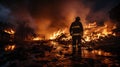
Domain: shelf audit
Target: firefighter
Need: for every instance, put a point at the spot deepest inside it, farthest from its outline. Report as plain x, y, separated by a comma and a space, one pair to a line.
76, 31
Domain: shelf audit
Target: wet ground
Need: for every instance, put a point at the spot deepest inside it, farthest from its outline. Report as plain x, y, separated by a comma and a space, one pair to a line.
52, 54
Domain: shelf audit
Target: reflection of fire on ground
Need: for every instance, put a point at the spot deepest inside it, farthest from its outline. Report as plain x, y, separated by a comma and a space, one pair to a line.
91, 32
94, 53
62, 50
10, 47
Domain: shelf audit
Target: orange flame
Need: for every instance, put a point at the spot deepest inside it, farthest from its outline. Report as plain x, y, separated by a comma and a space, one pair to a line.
93, 32
55, 34
37, 38
10, 47
9, 31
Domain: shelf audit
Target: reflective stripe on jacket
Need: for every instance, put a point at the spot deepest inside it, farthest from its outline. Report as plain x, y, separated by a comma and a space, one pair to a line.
76, 29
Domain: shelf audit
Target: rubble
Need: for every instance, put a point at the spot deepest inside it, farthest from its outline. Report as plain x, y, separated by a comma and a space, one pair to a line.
47, 53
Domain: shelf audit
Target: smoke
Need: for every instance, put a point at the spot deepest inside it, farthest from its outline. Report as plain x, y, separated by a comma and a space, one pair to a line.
15, 12
57, 15
47, 16
99, 10
4, 13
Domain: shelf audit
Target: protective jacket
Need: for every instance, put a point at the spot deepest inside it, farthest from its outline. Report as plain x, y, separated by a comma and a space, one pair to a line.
76, 29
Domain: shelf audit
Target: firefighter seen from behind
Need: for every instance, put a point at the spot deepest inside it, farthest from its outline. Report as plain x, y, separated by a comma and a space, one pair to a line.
76, 31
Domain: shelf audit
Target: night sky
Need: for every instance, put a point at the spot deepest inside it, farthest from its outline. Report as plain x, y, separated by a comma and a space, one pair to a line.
55, 14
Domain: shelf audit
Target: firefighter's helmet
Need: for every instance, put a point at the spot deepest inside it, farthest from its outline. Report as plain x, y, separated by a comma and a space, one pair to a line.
77, 18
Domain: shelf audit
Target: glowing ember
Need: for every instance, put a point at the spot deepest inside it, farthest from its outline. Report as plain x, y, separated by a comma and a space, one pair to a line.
9, 31
10, 47
37, 38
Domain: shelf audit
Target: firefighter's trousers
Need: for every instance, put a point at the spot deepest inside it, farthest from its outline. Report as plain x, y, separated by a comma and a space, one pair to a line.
76, 45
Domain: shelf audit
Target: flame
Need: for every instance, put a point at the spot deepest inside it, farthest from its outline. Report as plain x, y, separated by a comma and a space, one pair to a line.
56, 34
94, 32
37, 38
10, 47
101, 53
9, 31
